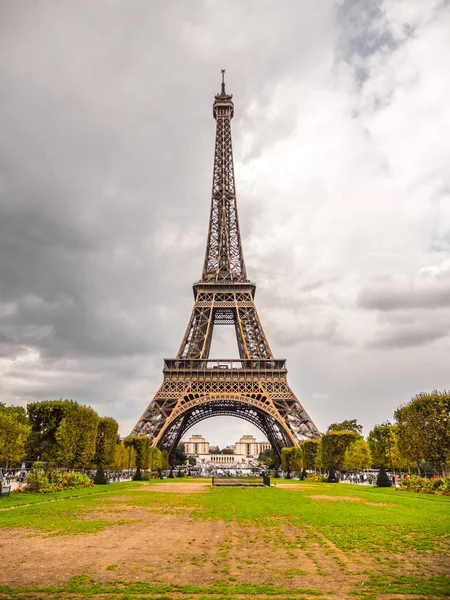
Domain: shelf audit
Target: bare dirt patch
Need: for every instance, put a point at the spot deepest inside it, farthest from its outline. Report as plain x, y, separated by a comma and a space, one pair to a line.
294, 487
118, 498
174, 548
347, 499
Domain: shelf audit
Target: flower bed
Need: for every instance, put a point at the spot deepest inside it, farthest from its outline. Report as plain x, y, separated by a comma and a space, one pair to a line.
54, 481
314, 477
437, 485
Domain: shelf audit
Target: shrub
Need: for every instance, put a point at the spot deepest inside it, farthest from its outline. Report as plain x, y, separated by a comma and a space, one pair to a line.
100, 477
438, 485
332, 476
148, 475
138, 475
37, 482
55, 481
383, 479
314, 477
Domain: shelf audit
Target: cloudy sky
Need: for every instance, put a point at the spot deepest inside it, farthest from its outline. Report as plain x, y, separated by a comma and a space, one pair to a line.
342, 153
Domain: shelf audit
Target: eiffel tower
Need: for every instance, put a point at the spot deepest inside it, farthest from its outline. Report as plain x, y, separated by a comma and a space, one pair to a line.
253, 387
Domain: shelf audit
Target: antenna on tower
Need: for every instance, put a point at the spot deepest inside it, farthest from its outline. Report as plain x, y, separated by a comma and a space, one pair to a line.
223, 82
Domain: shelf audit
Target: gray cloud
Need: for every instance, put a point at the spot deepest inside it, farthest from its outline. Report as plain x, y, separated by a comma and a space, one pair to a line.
384, 297
417, 333
105, 177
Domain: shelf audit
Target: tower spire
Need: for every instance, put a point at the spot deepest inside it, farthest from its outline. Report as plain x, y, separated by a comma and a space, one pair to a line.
224, 259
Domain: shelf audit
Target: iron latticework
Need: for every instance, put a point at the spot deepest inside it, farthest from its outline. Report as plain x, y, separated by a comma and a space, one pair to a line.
253, 387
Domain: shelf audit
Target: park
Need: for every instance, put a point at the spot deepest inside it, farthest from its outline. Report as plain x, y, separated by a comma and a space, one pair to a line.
182, 538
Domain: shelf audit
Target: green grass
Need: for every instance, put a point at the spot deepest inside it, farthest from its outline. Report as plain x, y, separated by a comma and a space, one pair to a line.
386, 542
19, 499
60, 513
86, 587
383, 520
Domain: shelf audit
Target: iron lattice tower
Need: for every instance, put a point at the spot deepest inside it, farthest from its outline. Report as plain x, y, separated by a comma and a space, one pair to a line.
253, 387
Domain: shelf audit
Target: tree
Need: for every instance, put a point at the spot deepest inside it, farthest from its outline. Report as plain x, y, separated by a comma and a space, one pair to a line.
45, 418
63, 433
165, 459
310, 449
347, 425
192, 461
333, 447
14, 433
357, 457
76, 436
286, 457
106, 442
140, 443
381, 441
155, 459
120, 461
296, 462
179, 456
267, 458
424, 428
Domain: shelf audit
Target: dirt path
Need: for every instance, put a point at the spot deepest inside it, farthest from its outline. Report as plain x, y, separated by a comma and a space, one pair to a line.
171, 548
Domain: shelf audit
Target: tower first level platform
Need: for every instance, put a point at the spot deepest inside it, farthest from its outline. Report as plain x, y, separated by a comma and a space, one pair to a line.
253, 389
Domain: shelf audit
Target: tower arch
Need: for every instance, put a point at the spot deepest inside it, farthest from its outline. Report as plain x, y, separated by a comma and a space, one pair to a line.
257, 410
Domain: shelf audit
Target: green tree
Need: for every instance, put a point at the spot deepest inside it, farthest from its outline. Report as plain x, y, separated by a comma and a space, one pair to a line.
310, 449
165, 459
333, 447
179, 456
106, 442
424, 428
267, 458
347, 425
286, 456
140, 444
296, 462
381, 441
14, 433
76, 436
120, 461
357, 457
45, 418
155, 459
63, 433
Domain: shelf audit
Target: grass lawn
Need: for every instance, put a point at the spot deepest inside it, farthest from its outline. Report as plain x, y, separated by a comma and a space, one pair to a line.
183, 539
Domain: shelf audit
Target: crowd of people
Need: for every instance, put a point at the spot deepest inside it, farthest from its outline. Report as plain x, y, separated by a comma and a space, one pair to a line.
361, 478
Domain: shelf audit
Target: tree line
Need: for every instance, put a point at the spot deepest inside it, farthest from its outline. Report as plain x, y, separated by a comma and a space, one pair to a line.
419, 440
65, 434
